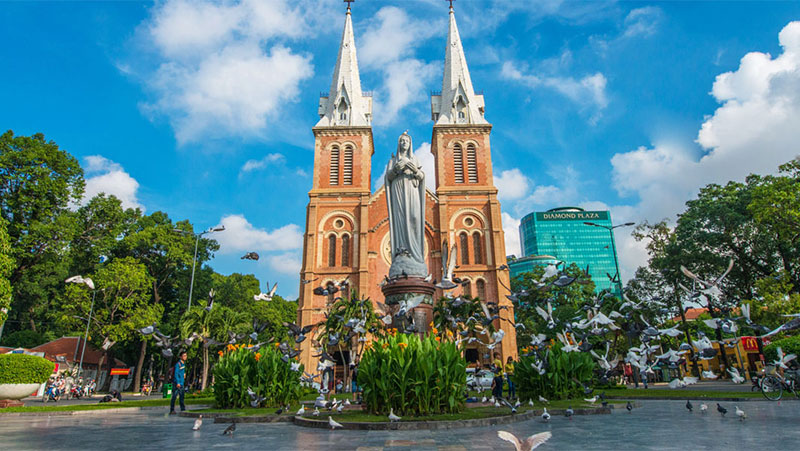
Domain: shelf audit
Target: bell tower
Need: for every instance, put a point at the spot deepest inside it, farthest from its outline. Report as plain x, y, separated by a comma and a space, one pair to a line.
335, 240
469, 212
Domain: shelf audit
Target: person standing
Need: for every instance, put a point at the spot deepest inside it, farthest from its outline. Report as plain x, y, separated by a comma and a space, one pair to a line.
512, 389
178, 382
497, 383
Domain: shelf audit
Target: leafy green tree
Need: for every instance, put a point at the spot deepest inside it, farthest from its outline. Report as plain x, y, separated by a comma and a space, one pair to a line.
6, 267
776, 206
38, 183
23, 339
121, 305
167, 255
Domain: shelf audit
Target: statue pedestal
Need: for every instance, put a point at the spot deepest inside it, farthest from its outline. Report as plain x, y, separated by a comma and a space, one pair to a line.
402, 289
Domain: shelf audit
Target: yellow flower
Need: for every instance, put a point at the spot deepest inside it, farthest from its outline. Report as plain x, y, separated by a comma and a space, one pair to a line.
431, 324
402, 345
277, 344
449, 333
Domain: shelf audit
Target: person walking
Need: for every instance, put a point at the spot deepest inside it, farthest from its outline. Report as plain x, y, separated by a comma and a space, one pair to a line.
509, 370
178, 382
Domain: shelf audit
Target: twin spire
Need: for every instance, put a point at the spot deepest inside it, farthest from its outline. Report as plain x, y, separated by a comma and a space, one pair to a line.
347, 105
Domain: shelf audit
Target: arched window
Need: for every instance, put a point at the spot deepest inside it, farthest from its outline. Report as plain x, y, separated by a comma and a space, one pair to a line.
332, 250
342, 109
461, 107
347, 169
458, 163
335, 165
467, 290
464, 248
472, 164
346, 250
480, 286
477, 248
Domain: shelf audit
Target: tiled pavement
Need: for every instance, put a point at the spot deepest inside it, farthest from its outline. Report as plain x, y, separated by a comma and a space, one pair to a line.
658, 425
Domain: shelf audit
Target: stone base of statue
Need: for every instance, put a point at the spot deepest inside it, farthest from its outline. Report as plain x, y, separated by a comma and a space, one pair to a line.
402, 289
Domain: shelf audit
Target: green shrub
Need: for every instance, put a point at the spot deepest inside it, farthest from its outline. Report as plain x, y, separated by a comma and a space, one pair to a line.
559, 380
413, 376
264, 372
24, 369
789, 345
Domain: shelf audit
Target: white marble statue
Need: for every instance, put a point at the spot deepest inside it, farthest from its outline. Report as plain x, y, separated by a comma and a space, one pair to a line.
405, 196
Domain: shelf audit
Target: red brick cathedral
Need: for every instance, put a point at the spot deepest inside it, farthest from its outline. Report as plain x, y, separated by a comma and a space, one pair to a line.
347, 224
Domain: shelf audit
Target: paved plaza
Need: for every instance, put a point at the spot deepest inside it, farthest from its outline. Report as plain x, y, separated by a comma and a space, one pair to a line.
661, 425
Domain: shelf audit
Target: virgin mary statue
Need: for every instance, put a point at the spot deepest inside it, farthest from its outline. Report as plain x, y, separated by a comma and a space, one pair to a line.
405, 196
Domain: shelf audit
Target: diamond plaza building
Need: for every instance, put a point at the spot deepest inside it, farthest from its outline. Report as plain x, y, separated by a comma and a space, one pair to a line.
561, 234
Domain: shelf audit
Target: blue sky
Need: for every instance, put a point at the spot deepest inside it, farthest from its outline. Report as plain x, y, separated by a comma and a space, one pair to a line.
205, 109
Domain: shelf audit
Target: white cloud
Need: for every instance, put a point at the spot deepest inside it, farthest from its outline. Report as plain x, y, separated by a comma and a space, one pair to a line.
391, 36
511, 184
756, 129
642, 21
240, 235
110, 178
388, 46
288, 263
404, 83
224, 69
511, 232
588, 91
252, 165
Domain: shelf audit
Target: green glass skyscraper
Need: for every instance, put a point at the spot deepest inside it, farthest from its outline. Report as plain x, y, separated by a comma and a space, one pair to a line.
561, 233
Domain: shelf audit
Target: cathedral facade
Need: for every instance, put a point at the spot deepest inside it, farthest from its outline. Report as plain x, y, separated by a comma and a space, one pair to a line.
347, 224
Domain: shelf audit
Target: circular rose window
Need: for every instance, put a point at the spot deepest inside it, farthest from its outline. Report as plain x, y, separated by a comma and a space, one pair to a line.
338, 223
468, 221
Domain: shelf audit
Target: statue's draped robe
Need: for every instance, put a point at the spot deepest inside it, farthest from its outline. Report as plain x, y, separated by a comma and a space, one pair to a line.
405, 196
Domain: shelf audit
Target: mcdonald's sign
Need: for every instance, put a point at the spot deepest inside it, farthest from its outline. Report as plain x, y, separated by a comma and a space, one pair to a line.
750, 344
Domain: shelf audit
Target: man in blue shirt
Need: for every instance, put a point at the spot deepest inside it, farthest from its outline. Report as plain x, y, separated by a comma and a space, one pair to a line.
177, 383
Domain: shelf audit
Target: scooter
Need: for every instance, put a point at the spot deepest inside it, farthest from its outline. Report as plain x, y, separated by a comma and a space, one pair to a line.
76, 392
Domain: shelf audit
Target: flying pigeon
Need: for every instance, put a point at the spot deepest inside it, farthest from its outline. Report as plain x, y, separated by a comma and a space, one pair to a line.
230, 430
529, 444
266, 296
735, 376
250, 256
448, 265
84, 280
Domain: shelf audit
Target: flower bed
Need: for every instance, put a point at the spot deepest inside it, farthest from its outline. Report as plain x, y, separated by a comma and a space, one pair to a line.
413, 376
264, 372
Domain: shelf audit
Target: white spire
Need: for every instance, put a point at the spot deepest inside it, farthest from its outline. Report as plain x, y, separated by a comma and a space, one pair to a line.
457, 103
345, 104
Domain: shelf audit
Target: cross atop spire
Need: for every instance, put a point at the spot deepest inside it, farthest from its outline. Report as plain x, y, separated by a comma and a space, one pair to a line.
457, 103
351, 1
345, 104
451, 3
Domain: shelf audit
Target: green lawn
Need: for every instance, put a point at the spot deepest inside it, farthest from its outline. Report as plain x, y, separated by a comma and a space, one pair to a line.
106, 405
680, 394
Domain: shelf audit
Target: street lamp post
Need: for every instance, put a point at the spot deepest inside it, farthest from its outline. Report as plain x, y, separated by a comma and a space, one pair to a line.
194, 259
613, 248
89, 283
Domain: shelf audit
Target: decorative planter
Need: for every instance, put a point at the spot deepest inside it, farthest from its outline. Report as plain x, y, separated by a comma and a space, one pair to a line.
11, 393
